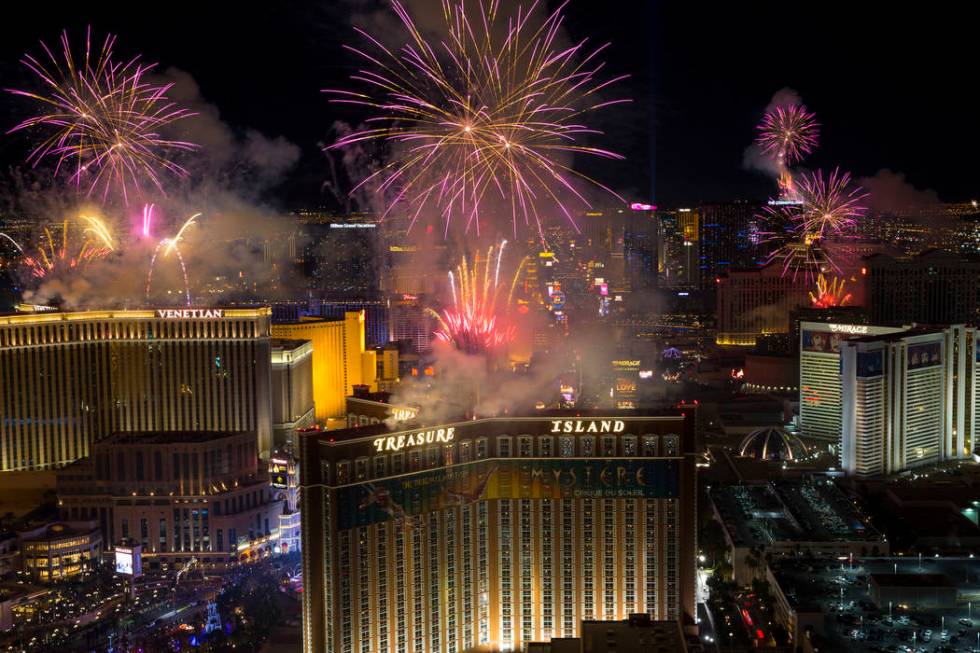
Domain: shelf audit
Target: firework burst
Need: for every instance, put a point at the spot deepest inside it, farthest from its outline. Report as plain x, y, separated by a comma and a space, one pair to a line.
101, 120
831, 205
72, 250
473, 324
489, 113
797, 252
168, 246
788, 133
830, 294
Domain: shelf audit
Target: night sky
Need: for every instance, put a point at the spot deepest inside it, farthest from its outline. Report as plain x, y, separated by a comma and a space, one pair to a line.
890, 87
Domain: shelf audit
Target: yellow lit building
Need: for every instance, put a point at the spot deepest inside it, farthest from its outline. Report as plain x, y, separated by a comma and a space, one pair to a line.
55, 551
340, 359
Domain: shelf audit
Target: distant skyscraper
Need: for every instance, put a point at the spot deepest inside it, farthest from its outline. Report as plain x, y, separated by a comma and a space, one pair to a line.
68, 379
909, 399
495, 532
935, 287
728, 238
640, 245
755, 302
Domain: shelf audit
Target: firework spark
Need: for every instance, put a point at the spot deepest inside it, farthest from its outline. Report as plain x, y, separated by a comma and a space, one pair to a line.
488, 113
830, 295
798, 252
788, 133
173, 242
831, 206
69, 252
473, 323
102, 119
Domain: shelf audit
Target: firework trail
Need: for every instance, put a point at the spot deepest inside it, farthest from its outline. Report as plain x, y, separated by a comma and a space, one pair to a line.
100, 119
473, 323
788, 133
795, 250
830, 295
12, 241
831, 206
56, 255
168, 244
147, 220
488, 112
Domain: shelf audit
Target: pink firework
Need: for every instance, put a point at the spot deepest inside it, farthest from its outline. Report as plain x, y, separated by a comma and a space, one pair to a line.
797, 252
473, 324
492, 114
788, 133
101, 120
830, 205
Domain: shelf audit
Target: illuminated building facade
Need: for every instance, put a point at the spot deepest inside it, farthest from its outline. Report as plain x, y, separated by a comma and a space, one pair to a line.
68, 379
909, 399
756, 302
292, 389
935, 287
57, 551
179, 495
495, 532
727, 238
820, 375
340, 360
678, 264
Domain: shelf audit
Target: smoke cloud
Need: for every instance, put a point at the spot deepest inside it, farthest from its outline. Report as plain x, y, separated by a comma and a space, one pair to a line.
891, 193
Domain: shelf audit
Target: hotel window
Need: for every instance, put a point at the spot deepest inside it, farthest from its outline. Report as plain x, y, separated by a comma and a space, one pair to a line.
448, 454
481, 448
343, 472
629, 445
380, 466
360, 469
545, 446
465, 451
525, 446
567, 444
503, 446
414, 461
670, 445
609, 445
397, 463
588, 446
649, 445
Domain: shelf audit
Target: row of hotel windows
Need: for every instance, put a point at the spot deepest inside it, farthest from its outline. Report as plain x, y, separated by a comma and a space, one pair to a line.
61, 332
440, 530
465, 451
184, 466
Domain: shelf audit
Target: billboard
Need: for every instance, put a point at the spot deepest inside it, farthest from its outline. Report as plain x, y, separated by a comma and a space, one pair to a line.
870, 363
279, 473
821, 341
129, 561
415, 494
925, 355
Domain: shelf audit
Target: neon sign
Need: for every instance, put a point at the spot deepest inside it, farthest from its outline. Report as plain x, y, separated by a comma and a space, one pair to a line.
587, 426
399, 442
190, 313
857, 329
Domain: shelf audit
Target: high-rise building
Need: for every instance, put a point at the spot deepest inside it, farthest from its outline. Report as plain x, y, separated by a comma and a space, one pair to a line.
755, 302
934, 287
678, 264
820, 376
291, 388
640, 245
494, 532
180, 496
727, 238
909, 399
340, 359
68, 379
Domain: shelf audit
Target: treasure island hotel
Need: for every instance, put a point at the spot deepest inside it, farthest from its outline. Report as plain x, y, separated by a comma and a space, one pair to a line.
67, 379
493, 533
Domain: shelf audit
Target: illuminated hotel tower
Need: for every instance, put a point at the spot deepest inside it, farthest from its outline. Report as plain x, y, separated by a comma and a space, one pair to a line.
67, 379
494, 532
